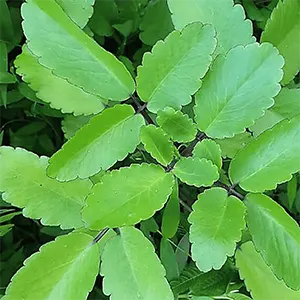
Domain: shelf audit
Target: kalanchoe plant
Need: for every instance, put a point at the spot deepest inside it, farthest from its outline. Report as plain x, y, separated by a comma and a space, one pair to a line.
166, 174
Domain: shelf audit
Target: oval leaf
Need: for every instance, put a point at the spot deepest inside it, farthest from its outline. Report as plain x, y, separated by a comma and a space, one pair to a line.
276, 236
107, 138
62, 269
196, 171
171, 73
78, 55
25, 184
131, 269
217, 222
127, 196
158, 144
278, 158
254, 76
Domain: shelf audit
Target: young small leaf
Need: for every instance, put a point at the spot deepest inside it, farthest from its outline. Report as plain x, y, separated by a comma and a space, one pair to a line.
24, 184
252, 267
182, 252
196, 171
158, 144
107, 138
78, 55
177, 125
210, 150
131, 269
276, 236
283, 31
127, 196
255, 73
62, 269
217, 222
278, 158
171, 73
228, 19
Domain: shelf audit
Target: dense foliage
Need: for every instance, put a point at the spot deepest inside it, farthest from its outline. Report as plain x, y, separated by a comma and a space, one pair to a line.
150, 149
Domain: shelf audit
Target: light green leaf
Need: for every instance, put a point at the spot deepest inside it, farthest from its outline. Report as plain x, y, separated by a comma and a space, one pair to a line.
152, 31
276, 236
107, 138
62, 269
158, 144
283, 31
210, 150
177, 125
268, 160
131, 269
71, 124
217, 222
25, 184
78, 55
238, 296
252, 268
78, 10
242, 97
56, 91
196, 171
222, 14
171, 73
127, 196
230, 146
171, 214
182, 252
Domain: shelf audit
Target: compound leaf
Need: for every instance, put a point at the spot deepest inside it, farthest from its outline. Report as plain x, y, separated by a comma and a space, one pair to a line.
270, 159
107, 138
62, 269
283, 31
276, 236
127, 196
131, 269
158, 144
196, 171
24, 184
222, 14
71, 54
177, 125
210, 150
226, 105
217, 222
56, 91
171, 73
251, 267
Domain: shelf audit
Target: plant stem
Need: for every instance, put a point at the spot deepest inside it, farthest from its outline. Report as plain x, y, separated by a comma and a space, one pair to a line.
185, 205
230, 190
142, 109
100, 235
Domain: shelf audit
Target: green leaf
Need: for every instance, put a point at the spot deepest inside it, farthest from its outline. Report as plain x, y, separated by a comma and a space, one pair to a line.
196, 171
182, 252
71, 124
230, 146
278, 158
158, 144
132, 270
217, 222
177, 125
283, 31
171, 73
127, 196
62, 269
168, 259
276, 236
210, 150
228, 19
252, 268
292, 191
238, 296
6, 26
255, 72
26, 185
152, 31
78, 55
107, 138
78, 10
58, 92
171, 214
